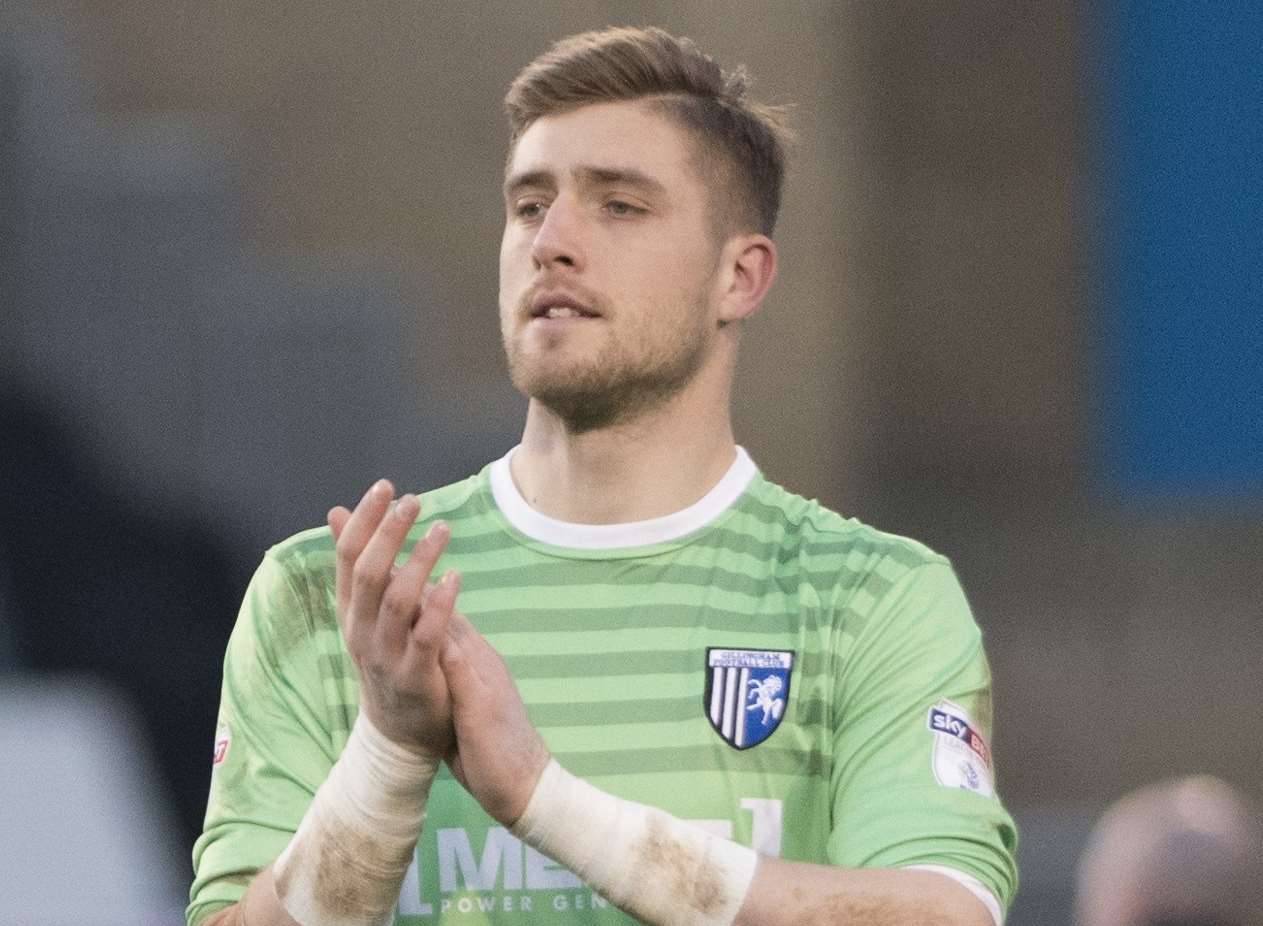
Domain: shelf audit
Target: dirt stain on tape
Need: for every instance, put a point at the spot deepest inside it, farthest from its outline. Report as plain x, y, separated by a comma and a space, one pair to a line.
349, 865
694, 879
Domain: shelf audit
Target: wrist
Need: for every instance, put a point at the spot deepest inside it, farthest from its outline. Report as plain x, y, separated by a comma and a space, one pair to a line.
345, 865
401, 738
387, 765
533, 763
658, 868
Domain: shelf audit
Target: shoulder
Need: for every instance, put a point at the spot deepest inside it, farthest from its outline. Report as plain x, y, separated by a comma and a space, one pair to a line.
821, 534
292, 597
301, 549
467, 498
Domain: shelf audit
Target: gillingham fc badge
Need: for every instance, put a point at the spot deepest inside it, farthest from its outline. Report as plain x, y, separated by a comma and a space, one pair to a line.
747, 691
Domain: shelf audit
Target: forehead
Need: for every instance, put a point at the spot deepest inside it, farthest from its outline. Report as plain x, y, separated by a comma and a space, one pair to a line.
627, 137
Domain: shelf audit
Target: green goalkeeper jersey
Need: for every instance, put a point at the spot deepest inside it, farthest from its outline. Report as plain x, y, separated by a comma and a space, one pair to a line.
785, 677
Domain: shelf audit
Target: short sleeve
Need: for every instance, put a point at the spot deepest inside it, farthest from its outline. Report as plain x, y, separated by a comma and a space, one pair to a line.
272, 748
912, 780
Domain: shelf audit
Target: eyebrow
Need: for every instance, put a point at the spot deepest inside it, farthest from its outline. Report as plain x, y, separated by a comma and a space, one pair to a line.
587, 175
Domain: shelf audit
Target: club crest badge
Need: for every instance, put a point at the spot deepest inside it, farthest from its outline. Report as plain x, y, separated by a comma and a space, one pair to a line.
747, 691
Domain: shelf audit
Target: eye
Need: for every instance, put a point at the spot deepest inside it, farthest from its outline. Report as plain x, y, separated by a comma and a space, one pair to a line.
622, 208
529, 209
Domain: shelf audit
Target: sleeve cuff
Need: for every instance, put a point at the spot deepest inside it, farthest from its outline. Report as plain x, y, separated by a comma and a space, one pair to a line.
971, 884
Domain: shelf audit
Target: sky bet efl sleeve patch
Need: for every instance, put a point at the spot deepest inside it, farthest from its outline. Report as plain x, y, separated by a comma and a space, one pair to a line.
962, 758
223, 739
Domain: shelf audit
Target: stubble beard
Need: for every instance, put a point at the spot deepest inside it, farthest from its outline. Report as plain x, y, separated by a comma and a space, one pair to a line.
612, 388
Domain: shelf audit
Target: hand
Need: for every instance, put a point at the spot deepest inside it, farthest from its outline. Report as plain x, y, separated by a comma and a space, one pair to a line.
393, 621
498, 755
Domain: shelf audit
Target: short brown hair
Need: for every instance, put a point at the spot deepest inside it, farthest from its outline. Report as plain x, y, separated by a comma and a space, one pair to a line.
744, 139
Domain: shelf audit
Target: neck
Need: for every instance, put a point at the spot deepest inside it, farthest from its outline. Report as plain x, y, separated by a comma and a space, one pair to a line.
663, 461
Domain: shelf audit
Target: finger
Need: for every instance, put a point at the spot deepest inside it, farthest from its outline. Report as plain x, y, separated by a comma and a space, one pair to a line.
475, 670
456, 670
371, 572
461, 632
355, 533
429, 632
401, 601
460, 658
337, 518
430, 628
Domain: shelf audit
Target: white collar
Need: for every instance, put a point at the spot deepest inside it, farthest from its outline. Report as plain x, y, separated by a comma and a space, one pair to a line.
669, 527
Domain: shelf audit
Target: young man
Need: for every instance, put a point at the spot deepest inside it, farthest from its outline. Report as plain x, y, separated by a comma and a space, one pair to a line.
692, 642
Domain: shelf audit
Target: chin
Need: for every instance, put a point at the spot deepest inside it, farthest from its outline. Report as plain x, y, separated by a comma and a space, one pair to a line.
574, 396
587, 393
601, 400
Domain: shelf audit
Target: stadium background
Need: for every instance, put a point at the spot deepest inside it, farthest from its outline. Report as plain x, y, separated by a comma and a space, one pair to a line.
248, 265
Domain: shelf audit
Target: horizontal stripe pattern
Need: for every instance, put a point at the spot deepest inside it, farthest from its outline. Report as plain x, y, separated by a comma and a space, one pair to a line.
765, 760
609, 649
655, 710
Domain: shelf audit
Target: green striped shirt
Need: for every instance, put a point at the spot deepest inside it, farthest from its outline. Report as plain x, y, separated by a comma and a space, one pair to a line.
644, 653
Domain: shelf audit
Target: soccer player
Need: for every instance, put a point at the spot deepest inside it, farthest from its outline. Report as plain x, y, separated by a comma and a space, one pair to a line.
671, 687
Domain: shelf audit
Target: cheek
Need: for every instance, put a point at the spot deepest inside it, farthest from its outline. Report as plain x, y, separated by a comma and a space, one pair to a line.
506, 253
680, 277
511, 273
655, 271
683, 260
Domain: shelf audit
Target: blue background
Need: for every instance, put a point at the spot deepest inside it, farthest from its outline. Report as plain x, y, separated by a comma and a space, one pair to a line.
1183, 152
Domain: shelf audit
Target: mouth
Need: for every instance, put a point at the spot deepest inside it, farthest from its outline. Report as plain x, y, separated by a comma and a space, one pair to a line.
562, 311
555, 306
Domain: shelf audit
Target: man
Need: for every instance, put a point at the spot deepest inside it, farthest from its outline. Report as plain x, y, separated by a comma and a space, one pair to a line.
692, 642
1185, 852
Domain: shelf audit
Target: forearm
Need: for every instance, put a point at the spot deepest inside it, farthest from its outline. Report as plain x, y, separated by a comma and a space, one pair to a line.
346, 863
802, 894
667, 872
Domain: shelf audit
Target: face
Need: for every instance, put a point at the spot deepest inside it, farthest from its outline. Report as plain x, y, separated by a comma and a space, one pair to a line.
608, 264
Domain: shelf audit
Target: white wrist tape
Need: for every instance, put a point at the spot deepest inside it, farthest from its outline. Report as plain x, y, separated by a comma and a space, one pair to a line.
660, 869
345, 865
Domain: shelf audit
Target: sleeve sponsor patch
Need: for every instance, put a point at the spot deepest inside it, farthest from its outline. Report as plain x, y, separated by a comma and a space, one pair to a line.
223, 739
962, 758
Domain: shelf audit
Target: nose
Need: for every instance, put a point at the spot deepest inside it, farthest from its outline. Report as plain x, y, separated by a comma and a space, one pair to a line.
557, 240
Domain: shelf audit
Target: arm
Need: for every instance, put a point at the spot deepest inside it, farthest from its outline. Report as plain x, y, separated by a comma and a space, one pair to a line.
814, 895
654, 866
347, 860
259, 907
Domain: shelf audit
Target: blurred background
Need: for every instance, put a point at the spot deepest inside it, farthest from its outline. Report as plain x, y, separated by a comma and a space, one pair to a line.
248, 264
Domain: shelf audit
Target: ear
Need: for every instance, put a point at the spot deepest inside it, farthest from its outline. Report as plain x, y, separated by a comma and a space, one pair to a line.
747, 269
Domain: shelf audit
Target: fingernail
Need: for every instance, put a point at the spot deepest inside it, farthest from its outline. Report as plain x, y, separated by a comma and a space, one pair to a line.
438, 531
380, 487
407, 508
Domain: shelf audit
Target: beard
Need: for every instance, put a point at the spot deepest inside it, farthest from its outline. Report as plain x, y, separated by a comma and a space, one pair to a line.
617, 385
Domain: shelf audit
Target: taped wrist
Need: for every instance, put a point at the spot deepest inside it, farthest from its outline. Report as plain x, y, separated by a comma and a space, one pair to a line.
660, 869
345, 865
